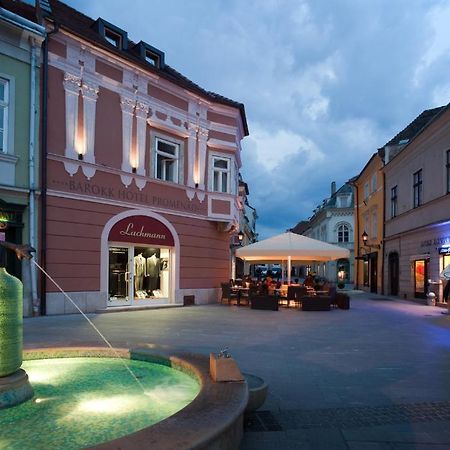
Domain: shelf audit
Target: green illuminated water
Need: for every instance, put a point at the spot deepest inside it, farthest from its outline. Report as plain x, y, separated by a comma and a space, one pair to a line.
81, 402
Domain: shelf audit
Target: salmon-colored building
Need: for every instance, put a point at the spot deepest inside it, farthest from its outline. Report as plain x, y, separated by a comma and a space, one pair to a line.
141, 172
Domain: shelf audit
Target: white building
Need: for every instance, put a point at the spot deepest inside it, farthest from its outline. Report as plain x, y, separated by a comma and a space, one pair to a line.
333, 222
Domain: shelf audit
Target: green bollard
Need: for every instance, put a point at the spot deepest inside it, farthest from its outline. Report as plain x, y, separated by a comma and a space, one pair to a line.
11, 323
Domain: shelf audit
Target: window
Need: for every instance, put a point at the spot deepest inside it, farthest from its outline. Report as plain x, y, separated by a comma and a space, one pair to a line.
394, 201
343, 233
221, 174
374, 225
417, 188
366, 191
113, 38
152, 59
448, 171
4, 106
374, 182
166, 164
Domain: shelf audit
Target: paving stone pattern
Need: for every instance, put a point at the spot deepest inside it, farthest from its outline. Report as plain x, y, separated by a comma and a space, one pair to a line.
348, 417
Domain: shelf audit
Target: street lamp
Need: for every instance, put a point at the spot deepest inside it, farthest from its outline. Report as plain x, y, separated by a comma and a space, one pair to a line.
365, 238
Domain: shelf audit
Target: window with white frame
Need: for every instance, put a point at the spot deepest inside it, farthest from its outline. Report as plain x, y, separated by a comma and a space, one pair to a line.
4, 109
221, 174
343, 233
167, 156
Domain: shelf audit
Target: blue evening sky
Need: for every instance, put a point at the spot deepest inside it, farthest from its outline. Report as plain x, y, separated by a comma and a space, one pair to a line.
324, 83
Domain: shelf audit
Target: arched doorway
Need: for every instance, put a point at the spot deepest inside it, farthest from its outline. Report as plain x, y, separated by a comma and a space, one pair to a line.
393, 270
139, 260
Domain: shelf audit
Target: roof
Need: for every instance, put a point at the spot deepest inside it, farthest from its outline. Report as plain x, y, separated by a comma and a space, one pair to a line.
81, 25
295, 246
343, 190
416, 126
354, 179
301, 227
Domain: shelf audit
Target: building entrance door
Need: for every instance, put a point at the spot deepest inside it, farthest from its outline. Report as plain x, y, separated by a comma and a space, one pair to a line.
393, 273
120, 288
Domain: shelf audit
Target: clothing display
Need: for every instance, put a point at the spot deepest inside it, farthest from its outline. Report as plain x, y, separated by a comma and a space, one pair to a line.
152, 273
139, 272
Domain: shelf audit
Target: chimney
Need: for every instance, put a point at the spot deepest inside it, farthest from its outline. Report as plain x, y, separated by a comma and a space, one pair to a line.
333, 188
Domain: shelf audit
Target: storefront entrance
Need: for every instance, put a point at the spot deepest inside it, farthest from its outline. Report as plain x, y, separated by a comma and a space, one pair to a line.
393, 273
140, 262
138, 275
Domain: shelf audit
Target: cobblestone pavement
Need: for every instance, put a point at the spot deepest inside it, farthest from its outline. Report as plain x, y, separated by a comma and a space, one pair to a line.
374, 377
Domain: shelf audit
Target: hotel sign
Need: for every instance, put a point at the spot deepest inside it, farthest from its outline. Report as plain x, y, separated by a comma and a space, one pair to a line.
436, 241
141, 230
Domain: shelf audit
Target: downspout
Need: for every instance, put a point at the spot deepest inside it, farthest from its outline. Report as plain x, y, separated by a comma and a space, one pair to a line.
32, 177
356, 235
44, 125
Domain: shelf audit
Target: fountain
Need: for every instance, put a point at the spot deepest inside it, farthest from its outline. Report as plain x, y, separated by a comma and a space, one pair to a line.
77, 393
15, 387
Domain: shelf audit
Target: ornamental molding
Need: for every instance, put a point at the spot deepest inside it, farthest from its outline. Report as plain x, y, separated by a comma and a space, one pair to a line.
72, 83
127, 105
89, 91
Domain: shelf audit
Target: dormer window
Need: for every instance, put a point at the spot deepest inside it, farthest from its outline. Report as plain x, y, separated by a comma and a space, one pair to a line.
112, 34
150, 55
113, 38
151, 58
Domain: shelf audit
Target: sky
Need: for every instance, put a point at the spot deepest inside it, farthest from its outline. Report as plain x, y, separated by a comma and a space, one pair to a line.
324, 83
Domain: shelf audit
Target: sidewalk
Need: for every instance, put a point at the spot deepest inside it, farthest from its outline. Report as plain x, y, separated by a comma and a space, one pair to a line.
373, 377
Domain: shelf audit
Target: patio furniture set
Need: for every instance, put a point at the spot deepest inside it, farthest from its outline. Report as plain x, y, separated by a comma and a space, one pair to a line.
298, 296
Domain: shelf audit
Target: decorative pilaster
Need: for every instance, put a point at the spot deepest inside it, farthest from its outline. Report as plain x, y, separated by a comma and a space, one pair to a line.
192, 176
202, 147
90, 94
127, 105
141, 128
72, 84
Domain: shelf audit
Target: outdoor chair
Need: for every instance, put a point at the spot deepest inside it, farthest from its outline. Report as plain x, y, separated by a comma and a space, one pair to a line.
227, 293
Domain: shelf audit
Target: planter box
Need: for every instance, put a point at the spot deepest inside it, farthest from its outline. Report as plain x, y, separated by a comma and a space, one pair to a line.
224, 369
266, 302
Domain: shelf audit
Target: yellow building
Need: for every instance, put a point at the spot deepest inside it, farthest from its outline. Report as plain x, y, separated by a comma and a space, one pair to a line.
369, 221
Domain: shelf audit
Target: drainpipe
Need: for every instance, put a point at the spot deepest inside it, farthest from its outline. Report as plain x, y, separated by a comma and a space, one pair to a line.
32, 177
384, 230
44, 127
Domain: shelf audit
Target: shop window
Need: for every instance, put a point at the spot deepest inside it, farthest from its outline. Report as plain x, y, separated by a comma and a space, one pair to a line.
448, 171
420, 277
221, 171
394, 201
4, 116
167, 160
343, 233
417, 188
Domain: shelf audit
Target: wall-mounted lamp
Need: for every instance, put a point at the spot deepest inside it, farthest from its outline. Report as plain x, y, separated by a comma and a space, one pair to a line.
133, 169
365, 238
80, 156
196, 185
240, 236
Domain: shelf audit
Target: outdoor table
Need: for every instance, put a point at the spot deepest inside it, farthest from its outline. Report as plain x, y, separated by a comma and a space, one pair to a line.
239, 290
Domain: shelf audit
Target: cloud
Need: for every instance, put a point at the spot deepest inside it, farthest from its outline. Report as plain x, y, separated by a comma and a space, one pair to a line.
324, 83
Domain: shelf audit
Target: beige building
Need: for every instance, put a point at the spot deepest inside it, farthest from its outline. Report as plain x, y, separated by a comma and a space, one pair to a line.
417, 199
369, 219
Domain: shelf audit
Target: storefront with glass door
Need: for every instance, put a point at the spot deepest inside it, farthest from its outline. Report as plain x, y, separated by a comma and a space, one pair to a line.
140, 264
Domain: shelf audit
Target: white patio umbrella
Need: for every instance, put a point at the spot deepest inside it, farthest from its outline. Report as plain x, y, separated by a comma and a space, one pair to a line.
445, 274
291, 247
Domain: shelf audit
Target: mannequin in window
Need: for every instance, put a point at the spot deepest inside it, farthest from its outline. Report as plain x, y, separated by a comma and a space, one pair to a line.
139, 272
152, 272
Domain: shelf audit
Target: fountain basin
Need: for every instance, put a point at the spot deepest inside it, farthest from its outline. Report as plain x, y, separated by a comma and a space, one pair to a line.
212, 420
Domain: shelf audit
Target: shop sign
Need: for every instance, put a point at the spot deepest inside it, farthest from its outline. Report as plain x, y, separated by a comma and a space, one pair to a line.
436, 241
444, 250
141, 230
